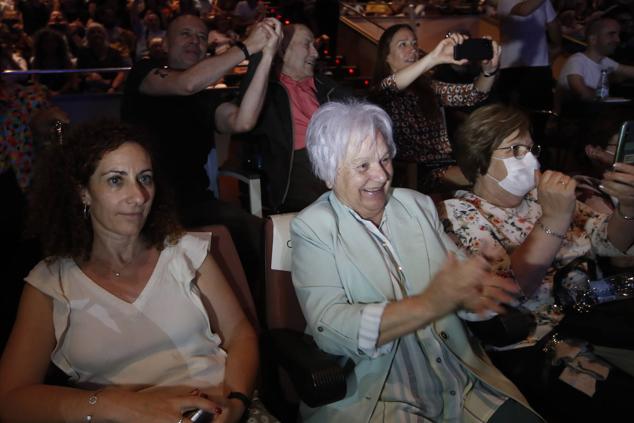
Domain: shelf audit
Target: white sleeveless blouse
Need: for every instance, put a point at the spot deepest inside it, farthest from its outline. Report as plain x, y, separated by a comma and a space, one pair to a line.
163, 338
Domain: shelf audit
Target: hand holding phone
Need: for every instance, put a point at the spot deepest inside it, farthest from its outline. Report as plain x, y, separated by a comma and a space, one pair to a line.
625, 147
474, 49
199, 416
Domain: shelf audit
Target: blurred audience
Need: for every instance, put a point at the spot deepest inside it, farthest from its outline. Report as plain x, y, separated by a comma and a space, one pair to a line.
531, 38
146, 28
99, 54
36, 14
17, 42
119, 38
581, 75
51, 52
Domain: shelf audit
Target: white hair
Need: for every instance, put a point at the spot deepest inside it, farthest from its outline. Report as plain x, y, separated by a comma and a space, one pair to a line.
337, 126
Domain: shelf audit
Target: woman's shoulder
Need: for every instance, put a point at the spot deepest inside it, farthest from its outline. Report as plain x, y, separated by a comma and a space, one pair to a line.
46, 275
464, 206
321, 211
409, 197
463, 200
184, 257
194, 245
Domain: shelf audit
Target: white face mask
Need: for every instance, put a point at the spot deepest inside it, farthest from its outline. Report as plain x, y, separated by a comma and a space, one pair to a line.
520, 174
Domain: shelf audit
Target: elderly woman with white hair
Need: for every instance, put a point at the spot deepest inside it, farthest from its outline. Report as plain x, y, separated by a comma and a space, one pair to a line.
379, 282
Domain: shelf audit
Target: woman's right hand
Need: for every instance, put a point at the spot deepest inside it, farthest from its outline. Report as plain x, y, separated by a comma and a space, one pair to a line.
556, 195
469, 285
443, 52
165, 405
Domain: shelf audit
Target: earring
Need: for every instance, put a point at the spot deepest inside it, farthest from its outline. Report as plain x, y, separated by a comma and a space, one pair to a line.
86, 210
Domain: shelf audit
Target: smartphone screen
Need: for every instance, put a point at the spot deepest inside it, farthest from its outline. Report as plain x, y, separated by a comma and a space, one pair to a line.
625, 147
474, 49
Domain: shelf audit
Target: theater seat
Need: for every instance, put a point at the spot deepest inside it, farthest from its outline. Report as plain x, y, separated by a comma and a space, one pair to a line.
224, 253
253, 184
298, 369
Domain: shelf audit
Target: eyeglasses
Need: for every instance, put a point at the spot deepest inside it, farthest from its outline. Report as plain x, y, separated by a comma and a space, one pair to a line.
520, 150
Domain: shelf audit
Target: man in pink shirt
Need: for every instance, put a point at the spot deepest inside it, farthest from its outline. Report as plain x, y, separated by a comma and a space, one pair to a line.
293, 95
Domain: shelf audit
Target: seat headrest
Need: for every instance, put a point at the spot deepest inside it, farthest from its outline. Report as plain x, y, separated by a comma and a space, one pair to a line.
281, 251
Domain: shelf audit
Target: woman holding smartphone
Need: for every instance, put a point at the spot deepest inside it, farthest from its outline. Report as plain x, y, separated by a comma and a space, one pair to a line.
538, 228
403, 87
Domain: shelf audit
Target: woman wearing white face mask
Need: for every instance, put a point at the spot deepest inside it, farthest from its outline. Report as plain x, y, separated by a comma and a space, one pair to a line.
537, 226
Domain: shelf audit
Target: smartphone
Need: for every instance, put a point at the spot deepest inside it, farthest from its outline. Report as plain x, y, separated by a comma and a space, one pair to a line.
625, 147
200, 416
474, 49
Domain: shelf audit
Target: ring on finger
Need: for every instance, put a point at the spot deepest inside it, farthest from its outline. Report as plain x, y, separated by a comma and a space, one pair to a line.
180, 420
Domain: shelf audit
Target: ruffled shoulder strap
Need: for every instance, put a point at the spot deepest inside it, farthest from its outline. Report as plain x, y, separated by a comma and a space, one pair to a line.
188, 255
45, 277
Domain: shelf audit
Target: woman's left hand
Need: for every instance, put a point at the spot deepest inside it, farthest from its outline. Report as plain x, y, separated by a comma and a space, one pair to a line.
491, 66
619, 183
443, 52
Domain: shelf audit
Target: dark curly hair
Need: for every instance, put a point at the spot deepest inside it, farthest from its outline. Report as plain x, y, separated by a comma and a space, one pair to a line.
482, 132
56, 209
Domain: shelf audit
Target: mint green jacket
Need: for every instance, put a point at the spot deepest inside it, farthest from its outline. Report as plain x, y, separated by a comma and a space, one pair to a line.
337, 270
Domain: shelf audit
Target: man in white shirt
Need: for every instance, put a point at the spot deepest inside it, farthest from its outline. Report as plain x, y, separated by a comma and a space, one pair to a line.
525, 73
581, 75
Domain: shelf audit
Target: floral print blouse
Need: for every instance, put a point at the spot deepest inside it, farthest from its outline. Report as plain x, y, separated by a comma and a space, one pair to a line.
471, 220
17, 105
419, 137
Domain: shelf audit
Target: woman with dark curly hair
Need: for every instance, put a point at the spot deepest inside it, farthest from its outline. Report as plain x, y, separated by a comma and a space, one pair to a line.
414, 101
131, 309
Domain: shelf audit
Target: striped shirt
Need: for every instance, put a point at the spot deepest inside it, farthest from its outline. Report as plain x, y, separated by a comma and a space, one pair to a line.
426, 382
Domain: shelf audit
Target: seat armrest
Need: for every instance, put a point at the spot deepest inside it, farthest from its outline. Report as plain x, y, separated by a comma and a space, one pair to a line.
318, 377
252, 179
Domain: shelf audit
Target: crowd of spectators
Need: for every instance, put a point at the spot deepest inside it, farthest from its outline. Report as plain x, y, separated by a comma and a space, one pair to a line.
176, 50
70, 34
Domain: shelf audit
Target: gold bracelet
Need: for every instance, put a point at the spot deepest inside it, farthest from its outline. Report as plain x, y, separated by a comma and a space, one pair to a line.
550, 232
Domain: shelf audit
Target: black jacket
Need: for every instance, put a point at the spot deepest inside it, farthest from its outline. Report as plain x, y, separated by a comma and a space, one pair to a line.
274, 129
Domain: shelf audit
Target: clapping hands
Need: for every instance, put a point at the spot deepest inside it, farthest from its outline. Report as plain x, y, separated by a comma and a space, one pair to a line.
470, 285
265, 36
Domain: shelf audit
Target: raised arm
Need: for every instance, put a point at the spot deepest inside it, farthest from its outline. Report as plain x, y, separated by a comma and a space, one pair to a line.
239, 339
442, 53
231, 118
531, 260
527, 7
166, 81
484, 82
